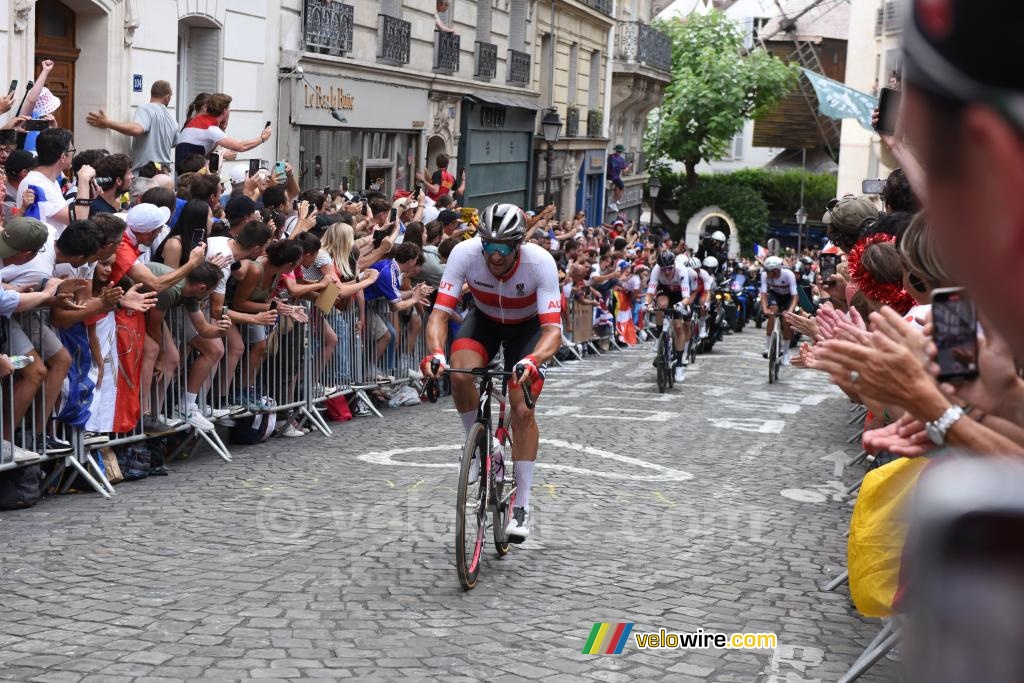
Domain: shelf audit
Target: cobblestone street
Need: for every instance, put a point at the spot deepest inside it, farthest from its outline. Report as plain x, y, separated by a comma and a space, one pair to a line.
711, 507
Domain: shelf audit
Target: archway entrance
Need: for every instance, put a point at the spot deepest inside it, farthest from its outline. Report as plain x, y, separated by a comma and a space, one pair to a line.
55, 39
706, 221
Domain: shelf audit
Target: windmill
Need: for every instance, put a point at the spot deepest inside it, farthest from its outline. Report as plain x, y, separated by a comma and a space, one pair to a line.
806, 56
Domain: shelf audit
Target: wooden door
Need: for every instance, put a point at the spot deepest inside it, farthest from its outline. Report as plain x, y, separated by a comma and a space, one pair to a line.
55, 39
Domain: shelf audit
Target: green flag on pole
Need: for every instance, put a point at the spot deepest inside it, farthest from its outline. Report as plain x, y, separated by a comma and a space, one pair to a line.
839, 101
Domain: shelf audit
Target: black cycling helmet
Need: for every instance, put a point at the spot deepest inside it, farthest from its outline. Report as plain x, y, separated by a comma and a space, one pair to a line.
667, 259
502, 223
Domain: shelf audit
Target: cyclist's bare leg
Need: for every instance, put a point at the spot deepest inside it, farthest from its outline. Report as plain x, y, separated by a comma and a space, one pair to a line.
464, 393
525, 438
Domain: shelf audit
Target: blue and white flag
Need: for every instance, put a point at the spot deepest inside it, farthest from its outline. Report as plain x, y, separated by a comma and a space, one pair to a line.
839, 101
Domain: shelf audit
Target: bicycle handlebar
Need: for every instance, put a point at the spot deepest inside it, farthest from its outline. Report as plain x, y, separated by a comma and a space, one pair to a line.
430, 386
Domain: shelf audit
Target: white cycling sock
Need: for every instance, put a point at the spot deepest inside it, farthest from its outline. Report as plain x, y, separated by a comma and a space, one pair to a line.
785, 349
524, 477
190, 400
468, 418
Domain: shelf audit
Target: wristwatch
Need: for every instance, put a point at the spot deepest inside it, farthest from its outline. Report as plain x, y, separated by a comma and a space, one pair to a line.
938, 429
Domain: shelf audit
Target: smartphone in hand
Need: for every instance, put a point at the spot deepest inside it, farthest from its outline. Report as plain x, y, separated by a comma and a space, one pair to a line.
827, 263
198, 236
254, 167
888, 110
213, 162
955, 332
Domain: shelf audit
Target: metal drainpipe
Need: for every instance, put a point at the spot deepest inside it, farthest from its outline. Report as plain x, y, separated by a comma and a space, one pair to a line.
606, 116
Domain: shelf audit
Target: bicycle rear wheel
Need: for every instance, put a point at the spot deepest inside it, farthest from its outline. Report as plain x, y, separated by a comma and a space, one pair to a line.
471, 508
773, 357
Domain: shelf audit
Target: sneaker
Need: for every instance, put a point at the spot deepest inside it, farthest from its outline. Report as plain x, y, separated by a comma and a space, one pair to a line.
360, 410
519, 524
94, 438
291, 431
195, 417
680, 374
53, 445
686, 358
415, 374
474, 470
151, 426
21, 455
211, 413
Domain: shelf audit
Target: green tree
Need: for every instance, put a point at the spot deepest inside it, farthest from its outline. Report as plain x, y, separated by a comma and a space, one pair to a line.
716, 85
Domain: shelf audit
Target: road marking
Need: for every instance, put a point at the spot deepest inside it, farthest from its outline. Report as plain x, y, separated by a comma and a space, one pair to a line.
654, 472
751, 424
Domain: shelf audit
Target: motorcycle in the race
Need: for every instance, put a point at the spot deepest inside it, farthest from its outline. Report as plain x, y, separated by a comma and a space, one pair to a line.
730, 312
738, 289
753, 292
716, 321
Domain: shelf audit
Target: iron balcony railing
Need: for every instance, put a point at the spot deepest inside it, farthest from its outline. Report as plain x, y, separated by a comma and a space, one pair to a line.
642, 44
518, 68
327, 27
572, 122
604, 6
393, 36
486, 61
446, 52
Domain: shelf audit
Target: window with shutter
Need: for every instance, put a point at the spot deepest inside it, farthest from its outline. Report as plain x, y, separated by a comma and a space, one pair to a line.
574, 57
198, 63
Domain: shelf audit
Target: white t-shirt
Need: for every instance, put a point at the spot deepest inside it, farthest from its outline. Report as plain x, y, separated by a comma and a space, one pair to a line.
34, 271
214, 247
920, 311
49, 205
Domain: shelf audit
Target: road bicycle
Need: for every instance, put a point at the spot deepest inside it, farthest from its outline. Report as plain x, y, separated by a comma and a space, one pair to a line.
665, 347
775, 349
487, 443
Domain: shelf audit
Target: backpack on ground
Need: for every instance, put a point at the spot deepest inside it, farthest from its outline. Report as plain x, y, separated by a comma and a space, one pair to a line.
21, 487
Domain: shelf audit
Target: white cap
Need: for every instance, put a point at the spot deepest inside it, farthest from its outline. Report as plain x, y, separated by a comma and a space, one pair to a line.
404, 204
238, 174
143, 218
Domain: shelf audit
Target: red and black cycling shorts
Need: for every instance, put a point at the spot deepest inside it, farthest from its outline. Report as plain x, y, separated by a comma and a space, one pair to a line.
484, 336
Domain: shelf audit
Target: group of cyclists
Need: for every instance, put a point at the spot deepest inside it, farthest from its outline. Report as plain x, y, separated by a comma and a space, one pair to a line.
517, 308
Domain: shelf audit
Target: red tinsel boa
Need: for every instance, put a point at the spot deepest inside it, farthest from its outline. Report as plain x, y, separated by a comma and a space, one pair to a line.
891, 294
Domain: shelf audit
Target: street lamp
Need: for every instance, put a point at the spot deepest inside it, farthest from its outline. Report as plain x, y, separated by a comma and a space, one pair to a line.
801, 221
653, 189
550, 126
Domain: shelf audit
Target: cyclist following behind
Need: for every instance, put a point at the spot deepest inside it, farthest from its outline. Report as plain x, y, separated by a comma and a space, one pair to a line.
706, 270
778, 295
671, 286
517, 305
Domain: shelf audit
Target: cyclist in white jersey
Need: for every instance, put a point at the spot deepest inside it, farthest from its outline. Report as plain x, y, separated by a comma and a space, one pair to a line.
671, 285
517, 304
778, 294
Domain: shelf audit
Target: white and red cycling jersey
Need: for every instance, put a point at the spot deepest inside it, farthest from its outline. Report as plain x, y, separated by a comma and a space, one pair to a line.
529, 290
700, 281
674, 281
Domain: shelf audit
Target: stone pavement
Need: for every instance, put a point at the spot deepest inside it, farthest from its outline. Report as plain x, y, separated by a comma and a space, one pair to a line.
323, 558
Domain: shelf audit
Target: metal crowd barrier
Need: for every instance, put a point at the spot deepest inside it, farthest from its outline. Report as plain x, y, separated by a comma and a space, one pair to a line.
291, 368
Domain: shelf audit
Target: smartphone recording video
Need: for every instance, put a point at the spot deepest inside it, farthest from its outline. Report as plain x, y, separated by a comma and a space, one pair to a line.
198, 236
955, 325
827, 263
254, 167
888, 110
213, 162
872, 186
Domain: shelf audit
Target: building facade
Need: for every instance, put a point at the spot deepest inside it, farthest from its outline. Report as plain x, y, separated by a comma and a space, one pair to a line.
641, 68
365, 93
875, 31
108, 53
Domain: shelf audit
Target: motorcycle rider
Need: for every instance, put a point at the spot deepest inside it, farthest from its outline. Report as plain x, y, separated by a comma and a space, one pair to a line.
707, 272
713, 245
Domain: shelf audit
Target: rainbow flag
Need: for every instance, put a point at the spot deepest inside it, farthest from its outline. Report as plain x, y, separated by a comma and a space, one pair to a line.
607, 638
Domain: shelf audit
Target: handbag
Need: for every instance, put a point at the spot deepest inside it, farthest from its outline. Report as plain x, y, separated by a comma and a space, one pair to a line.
111, 467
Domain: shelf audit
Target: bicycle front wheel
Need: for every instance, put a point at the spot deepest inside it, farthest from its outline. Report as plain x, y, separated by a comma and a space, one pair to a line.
773, 357
663, 368
471, 508
503, 498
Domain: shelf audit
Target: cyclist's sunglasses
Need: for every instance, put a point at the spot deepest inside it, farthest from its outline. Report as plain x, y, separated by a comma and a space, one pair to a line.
499, 248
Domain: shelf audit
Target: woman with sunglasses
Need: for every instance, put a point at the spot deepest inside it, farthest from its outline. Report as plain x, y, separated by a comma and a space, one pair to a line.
517, 305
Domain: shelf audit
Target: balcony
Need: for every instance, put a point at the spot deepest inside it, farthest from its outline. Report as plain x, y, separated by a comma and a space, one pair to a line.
594, 121
572, 122
327, 27
393, 40
636, 160
518, 68
446, 52
603, 6
640, 44
486, 61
